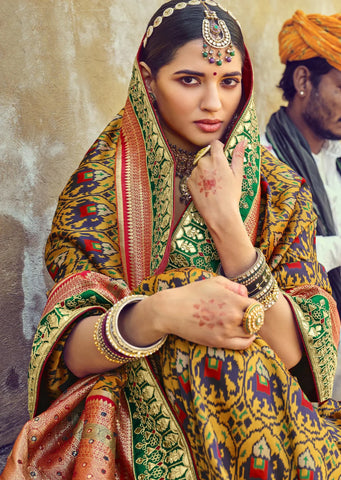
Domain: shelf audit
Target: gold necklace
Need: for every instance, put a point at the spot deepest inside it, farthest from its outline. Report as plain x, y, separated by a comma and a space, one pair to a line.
183, 169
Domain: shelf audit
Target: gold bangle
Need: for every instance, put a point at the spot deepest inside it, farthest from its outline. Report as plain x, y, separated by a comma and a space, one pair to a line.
253, 318
271, 297
101, 346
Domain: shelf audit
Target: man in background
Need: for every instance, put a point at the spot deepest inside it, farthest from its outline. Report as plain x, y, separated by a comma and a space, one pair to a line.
306, 133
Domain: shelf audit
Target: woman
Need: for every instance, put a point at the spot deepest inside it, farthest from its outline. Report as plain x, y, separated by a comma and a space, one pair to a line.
132, 378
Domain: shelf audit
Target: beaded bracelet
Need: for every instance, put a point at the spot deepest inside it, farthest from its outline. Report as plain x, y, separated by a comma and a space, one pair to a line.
254, 273
270, 297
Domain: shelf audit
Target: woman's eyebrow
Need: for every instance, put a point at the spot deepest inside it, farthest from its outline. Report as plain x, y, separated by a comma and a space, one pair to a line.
189, 72
201, 74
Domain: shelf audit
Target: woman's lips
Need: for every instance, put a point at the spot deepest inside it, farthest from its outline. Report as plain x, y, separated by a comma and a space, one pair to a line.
209, 126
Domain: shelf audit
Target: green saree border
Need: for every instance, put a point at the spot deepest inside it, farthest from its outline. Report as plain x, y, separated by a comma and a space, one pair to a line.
159, 447
160, 167
51, 328
317, 340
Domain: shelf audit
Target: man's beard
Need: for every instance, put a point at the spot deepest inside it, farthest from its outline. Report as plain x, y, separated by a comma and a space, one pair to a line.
314, 116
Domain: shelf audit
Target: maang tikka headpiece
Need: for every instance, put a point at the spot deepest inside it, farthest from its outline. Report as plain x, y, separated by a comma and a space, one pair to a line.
215, 33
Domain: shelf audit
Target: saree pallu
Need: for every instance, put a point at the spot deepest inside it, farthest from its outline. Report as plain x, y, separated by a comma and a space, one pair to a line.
188, 412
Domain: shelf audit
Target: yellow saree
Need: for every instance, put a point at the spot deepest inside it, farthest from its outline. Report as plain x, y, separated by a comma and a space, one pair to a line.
189, 411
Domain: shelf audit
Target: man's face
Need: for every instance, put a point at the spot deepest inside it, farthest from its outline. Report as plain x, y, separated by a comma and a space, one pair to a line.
323, 111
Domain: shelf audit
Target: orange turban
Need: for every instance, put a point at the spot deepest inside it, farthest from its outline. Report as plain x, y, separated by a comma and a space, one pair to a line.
307, 36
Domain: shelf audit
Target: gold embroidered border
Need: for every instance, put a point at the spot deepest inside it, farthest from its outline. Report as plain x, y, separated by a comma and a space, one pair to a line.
317, 339
48, 332
160, 449
160, 169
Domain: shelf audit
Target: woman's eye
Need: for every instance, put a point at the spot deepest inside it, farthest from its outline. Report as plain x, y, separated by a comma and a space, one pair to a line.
189, 80
230, 82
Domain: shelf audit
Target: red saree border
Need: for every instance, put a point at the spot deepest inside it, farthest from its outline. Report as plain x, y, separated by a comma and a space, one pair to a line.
134, 203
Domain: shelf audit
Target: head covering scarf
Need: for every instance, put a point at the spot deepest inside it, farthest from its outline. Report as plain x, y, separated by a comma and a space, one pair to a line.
307, 36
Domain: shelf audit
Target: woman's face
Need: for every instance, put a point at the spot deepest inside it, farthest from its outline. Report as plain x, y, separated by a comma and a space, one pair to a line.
195, 99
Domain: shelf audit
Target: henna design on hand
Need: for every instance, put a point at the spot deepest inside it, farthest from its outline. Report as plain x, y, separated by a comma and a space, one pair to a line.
210, 183
210, 313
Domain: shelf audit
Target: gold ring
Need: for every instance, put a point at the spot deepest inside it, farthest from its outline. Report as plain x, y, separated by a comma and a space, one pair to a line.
200, 154
253, 318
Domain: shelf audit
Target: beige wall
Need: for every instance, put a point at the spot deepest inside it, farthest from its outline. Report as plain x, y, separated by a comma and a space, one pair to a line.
64, 71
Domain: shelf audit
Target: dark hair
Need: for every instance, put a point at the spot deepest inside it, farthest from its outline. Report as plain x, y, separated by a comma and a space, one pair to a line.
182, 26
317, 67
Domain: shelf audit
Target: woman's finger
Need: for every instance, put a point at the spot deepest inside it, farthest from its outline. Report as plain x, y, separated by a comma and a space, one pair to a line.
239, 343
234, 287
237, 163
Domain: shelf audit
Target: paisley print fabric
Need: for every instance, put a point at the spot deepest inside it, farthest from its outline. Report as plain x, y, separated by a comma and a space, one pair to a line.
188, 412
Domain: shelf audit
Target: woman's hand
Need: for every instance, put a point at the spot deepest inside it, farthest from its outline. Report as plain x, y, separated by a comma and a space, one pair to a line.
208, 312
215, 186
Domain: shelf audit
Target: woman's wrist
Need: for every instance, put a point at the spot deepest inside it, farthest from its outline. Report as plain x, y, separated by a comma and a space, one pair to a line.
140, 323
259, 281
225, 223
235, 261
234, 246
113, 343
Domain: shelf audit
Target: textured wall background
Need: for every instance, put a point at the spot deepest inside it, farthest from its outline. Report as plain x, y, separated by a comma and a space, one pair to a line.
64, 71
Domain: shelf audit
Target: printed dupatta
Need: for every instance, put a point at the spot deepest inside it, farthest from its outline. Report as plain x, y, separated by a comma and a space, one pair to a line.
145, 180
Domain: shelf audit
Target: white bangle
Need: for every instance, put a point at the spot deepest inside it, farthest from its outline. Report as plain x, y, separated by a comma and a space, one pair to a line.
115, 338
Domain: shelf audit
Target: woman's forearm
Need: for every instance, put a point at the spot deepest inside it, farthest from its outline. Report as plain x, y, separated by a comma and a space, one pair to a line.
280, 332
80, 352
279, 329
83, 357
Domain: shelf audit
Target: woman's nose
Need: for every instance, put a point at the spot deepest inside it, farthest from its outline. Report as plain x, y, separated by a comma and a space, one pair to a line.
210, 99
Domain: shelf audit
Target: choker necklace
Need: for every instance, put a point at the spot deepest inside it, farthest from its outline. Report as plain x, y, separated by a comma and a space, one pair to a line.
183, 169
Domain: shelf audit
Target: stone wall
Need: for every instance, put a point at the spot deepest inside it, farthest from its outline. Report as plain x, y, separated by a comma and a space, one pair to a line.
64, 72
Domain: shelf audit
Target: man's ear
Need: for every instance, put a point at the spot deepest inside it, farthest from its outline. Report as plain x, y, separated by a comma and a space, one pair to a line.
301, 80
147, 76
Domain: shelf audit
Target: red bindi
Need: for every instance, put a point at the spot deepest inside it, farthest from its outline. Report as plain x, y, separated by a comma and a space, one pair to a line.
214, 73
